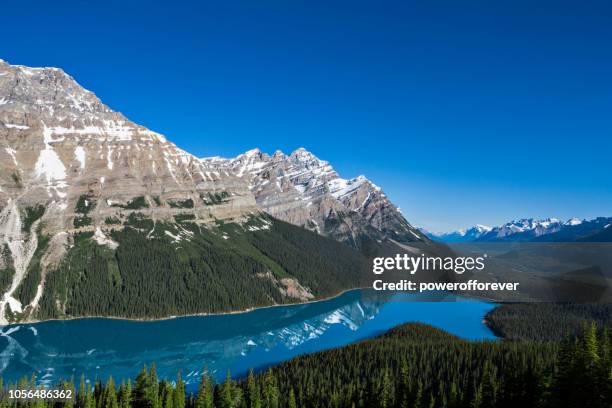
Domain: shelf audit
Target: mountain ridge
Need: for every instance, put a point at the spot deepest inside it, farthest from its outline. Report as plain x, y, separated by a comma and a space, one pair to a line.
304, 190
532, 230
78, 181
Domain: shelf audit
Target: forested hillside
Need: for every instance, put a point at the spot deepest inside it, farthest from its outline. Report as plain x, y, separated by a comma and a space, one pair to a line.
154, 269
546, 321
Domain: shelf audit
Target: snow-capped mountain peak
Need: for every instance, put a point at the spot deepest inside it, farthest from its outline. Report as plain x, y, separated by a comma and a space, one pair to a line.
574, 221
302, 189
524, 229
460, 235
482, 228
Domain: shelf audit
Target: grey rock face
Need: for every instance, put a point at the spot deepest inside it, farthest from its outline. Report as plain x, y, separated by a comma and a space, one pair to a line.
88, 167
302, 189
58, 142
59, 145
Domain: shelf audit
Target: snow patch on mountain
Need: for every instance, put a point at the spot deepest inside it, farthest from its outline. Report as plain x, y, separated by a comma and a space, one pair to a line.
50, 167
22, 246
304, 190
79, 153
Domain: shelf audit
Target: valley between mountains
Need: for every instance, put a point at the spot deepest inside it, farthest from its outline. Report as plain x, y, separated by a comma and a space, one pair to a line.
100, 216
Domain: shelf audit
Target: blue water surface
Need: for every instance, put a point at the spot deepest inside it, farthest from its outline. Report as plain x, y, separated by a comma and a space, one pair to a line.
98, 348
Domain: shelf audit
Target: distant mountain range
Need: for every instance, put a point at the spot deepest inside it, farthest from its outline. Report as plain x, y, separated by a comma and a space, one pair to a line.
462, 235
530, 230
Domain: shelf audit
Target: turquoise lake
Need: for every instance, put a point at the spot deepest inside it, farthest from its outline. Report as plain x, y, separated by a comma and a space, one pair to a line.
98, 348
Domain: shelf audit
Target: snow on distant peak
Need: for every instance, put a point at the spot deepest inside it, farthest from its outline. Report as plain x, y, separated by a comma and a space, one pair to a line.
300, 151
574, 221
214, 159
253, 152
339, 187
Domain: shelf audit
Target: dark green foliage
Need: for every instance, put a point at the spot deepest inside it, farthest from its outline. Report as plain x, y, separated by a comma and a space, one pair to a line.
16, 179
283, 240
206, 395
419, 366
157, 201
82, 221
6, 274
195, 270
215, 198
85, 204
184, 217
252, 393
584, 374
32, 214
27, 289
82, 237
413, 363
188, 203
112, 221
139, 221
136, 203
83, 207
546, 321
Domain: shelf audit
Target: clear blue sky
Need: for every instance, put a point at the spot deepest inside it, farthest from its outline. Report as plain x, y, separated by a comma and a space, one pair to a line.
463, 111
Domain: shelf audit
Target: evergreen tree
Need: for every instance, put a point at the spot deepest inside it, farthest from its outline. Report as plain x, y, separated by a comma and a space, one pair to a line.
90, 401
142, 394
110, 395
292, 403
270, 390
226, 397
418, 400
404, 385
453, 399
205, 391
253, 397
166, 394
179, 392
477, 398
82, 393
488, 387
124, 396
386, 391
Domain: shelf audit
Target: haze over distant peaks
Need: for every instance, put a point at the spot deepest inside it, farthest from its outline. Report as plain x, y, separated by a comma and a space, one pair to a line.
529, 229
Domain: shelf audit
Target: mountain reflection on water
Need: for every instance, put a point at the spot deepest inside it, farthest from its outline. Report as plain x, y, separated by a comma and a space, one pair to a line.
98, 348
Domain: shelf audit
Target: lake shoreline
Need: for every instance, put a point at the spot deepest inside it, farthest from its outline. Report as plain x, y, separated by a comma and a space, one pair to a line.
228, 313
158, 319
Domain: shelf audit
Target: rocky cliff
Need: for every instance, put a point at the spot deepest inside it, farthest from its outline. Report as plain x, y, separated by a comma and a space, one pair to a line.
79, 180
306, 191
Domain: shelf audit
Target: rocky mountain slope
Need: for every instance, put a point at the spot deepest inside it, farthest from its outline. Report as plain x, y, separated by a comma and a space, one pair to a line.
306, 191
69, 163
80, 183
